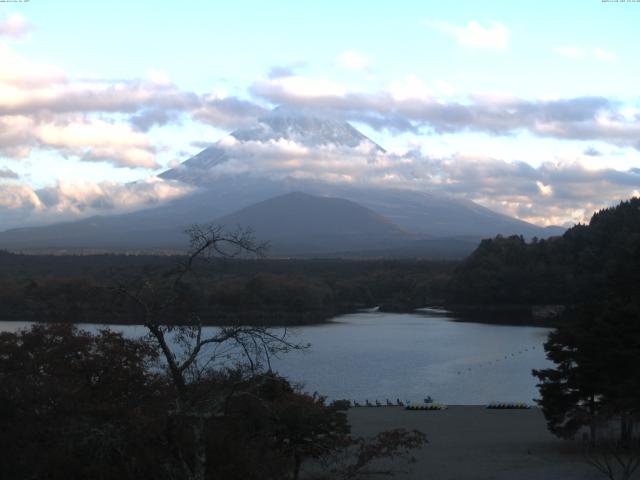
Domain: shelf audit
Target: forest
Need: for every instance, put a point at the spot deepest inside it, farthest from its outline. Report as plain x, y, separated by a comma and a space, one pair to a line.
586, 265
85, 288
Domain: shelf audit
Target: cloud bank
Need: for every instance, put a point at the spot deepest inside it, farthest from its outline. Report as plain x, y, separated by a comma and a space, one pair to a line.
581, 118
21, 205
104, 120
554, 193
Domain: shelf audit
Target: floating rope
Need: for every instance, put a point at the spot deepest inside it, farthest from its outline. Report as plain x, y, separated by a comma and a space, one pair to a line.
426, 406
508, 405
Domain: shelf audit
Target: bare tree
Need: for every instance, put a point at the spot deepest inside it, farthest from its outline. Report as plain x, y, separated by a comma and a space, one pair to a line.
614, 461
616, 458
190, 350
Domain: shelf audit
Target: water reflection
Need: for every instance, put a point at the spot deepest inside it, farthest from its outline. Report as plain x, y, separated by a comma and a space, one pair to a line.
408, 356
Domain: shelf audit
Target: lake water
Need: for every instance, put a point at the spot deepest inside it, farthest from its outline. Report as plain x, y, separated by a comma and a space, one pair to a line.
385, 355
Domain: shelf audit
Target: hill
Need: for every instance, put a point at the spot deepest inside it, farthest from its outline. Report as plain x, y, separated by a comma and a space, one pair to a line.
301, 223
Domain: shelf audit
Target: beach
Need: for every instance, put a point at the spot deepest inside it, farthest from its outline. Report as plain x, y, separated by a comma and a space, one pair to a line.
473, 442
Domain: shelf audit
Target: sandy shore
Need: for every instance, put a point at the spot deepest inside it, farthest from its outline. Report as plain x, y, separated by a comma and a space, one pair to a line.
472, 442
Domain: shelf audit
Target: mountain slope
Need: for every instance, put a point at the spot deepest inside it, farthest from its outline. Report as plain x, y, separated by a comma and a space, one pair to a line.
427, 213
300, 223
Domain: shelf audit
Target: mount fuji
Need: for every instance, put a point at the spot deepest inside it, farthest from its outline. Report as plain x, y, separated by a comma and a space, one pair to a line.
255, 177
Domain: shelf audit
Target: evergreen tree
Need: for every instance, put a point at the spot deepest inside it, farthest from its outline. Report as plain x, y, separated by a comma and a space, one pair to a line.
596, 378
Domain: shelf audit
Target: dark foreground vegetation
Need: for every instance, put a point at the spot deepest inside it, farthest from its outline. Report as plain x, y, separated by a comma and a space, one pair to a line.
79, 288
79, 406
180, 403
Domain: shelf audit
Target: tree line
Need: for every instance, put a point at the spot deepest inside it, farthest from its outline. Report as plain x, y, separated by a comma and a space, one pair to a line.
580, 267
256, 291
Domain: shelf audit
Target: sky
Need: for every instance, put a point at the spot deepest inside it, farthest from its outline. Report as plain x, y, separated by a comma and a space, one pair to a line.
530, 108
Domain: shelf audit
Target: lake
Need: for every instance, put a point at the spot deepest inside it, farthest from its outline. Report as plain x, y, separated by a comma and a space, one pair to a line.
386, 355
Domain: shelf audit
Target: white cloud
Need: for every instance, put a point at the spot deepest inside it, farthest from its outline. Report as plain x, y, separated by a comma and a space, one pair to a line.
78, 136
545, 190
14, 26
98, 119
97, 140
21, 205
409, 106
495, 36
7, 173
352, 60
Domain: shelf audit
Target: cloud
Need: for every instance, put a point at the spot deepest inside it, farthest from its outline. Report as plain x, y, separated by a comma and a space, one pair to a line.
352, 60
153, 117
553, 193
21, 205
99, 119
545, 190
285, 70
592, 152
14, 26
495, 36
76, 136
410, 106
59, 96
229, 112
7, 173
562, 192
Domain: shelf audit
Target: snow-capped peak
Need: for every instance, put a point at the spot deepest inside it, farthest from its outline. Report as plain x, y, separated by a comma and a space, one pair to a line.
305, 127
288, 126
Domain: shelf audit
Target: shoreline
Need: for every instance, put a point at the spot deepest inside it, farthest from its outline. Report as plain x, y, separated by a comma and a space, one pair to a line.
496, 315
469, 442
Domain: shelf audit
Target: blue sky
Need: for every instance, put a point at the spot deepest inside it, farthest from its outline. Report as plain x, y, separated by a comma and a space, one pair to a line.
530, 108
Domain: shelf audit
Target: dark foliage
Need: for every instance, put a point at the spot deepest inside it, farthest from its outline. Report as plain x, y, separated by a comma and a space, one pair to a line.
596, 377
581, 267
51, 288
74, 405
597, 349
